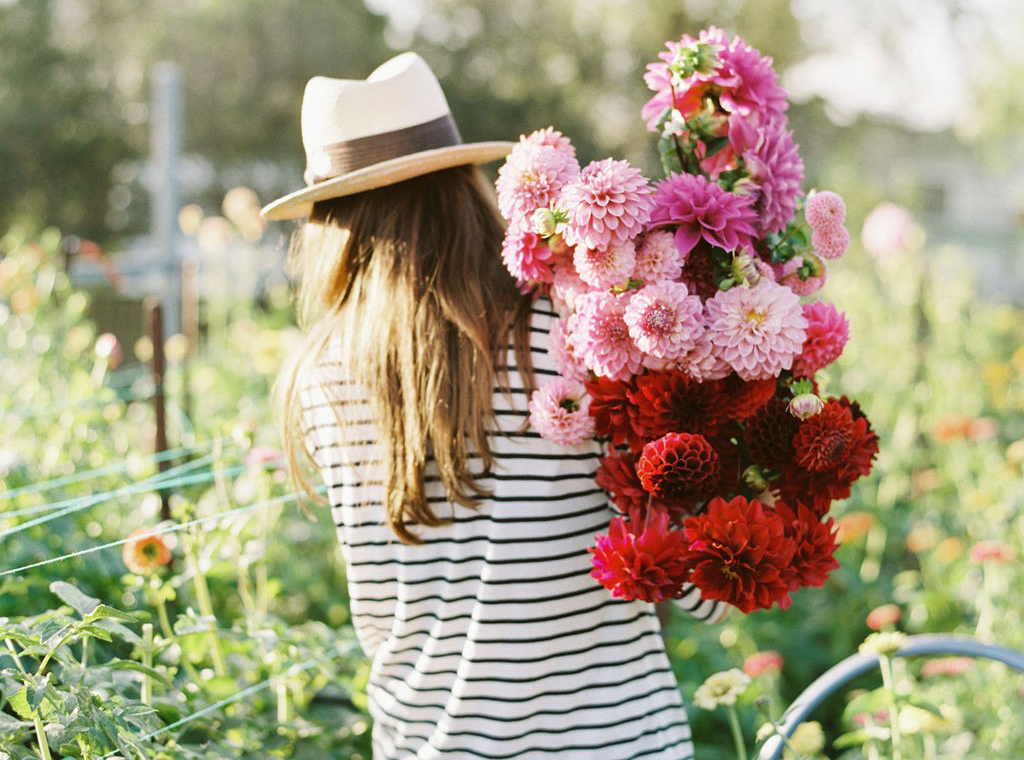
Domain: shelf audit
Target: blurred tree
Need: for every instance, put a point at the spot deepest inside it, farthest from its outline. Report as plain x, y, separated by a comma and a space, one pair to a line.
61, 127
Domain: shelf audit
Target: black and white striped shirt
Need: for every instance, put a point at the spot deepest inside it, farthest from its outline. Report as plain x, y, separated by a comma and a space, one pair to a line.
490, 639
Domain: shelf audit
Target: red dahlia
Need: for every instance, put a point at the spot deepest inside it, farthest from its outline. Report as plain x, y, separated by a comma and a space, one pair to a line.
702, 271
823, 441
612, 411
644, 564
745, 398
679, 469
673, 402
815, 541
739, 552
617, 475
769, 434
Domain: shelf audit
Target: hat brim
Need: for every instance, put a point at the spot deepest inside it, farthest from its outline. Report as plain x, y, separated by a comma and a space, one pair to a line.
299, 205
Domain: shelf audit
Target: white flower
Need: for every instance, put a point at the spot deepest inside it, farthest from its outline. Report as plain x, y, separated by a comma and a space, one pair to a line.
721, 689
885, 643
808, 739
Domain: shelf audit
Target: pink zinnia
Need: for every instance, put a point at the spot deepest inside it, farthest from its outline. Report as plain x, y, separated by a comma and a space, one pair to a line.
828, 330
563, 354
601, 336
700, 209
531, 177
604, 268
758, 330
824, 209
658, 258
664, 320
830, 242
776, 170
610, 201
560, 412
526, 255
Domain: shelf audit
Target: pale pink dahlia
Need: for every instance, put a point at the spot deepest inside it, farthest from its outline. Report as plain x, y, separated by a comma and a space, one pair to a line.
701, 209
609, 201
828, 330
567, 286
559, 411
830, 242
531, 177
776, 171
563, 354
552, 138
664, 320
601, 337
702, 363
658, 258
526, 255
604, 268
824, 209
758, 330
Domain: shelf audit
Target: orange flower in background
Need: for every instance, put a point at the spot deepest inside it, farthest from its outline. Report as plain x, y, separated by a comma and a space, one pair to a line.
949, 549
992, 551
763, 662
956, 426
946, 666
885, 616
923, 536
853, 525
143, 555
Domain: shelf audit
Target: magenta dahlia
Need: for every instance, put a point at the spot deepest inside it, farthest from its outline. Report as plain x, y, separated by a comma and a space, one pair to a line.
609, 201
559, 411
601, 337
700, 209
828, 330
664, 320
758, 330
531, 177
640, 561
775, 170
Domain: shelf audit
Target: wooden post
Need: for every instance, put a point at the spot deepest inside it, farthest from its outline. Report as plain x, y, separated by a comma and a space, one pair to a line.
155, 317
189, 326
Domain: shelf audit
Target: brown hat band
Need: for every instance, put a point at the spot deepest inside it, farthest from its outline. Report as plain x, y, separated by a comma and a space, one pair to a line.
350, 155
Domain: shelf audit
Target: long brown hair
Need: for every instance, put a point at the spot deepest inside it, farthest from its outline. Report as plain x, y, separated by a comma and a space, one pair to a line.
408, 281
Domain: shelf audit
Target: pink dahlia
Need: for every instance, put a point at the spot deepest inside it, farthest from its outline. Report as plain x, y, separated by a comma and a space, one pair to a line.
758, 330
531, 177
804, 275
559, 411
828, 330
700, 209
702, 363
609, 201
563, 354
824, 209
640, 561
601, 336
664, 320
604, 268
567, 285
552, 138
526, 255
658, 258
830, 242
775, 171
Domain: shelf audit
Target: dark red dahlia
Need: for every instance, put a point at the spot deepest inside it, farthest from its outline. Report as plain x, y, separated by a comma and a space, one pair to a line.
823, 441
739, 552
679, 469
673, 402
613, 412
705, 267
815, 541
746, 397
640, 561
769, 434
617, 475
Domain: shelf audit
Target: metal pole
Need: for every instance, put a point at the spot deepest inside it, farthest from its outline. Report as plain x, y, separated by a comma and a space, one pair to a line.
154, 314
166, 148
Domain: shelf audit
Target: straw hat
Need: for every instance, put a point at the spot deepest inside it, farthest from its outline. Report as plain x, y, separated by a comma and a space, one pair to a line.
363, 134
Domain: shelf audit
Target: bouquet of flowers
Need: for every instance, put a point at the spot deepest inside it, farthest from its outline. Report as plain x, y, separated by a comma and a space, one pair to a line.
683, 340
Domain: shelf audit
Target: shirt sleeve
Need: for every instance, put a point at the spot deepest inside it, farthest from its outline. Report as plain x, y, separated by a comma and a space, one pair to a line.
691, 602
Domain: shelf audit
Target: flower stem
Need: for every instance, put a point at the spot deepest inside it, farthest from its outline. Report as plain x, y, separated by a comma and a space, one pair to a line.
44, 746
885, 665
147, 660
737, 733
205, 607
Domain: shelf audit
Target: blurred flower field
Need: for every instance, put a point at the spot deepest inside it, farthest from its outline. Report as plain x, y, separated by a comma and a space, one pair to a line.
204, 637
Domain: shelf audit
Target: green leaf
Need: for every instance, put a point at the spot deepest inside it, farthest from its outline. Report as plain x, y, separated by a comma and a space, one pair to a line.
861, 736
119, 664
19, 703
870, 702
714, 145
9, 724
36, 692
104, 611
117, 629
70, 595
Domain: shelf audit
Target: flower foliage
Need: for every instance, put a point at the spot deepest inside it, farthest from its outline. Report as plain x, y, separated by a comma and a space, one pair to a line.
682, 321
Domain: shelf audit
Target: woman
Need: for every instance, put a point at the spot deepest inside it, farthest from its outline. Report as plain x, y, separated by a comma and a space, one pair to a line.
464, 533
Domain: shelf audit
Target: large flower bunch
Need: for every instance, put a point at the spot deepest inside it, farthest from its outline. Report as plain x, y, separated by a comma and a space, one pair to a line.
683, 340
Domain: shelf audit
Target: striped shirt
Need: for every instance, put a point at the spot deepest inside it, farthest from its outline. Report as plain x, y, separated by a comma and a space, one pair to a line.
490, 639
